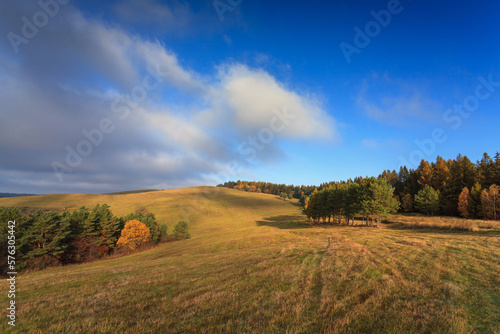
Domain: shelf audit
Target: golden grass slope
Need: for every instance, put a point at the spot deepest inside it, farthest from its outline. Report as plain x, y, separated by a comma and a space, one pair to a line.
254, 265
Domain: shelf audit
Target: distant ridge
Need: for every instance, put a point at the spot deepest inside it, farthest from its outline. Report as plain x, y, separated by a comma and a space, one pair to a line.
15, 195
132, 192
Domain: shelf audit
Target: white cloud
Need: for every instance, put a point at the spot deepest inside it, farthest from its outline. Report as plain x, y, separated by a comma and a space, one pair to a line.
253, 95
185, 130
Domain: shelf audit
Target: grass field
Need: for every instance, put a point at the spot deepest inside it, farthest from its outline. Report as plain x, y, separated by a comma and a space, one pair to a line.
254, 265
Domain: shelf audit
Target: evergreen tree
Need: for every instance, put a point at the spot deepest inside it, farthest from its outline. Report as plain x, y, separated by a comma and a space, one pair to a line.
475, 207
486, 171
47, 235
378, 199
427, 200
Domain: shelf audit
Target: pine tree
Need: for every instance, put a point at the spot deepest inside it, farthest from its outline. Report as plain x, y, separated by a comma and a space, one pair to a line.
475, 207
47, 235
378, 199
486, 171
427, 200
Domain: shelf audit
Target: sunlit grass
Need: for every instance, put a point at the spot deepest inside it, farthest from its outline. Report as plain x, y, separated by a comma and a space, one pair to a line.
254, 265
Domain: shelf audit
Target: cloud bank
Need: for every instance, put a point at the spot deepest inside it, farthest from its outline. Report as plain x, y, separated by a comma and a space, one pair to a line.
165, 125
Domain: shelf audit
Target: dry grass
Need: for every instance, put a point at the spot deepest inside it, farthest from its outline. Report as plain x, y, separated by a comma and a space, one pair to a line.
452, 223
254, 265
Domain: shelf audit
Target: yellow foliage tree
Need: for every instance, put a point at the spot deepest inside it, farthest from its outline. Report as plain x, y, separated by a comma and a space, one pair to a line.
133, 235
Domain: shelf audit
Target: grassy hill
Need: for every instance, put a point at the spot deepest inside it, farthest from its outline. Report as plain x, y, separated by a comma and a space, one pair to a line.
254, 265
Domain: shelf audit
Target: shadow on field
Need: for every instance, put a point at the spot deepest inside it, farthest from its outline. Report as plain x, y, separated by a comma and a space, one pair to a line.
288, 222
443, 230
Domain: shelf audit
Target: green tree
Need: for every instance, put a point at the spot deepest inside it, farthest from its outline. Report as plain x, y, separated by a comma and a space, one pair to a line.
47, 235
427, 200
475, 207
102, 229
181, 231
379, 201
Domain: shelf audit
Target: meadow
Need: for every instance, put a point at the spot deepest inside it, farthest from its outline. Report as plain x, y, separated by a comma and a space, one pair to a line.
254, 264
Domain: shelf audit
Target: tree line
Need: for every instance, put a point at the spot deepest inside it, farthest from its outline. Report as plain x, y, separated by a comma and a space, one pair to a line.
453, 187
49, 238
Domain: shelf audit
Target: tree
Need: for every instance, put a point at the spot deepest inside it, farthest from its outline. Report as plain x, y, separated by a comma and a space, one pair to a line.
441, 175
149, 220
379, 201
427, 200
133, 235
475, 208
490, 201
407, 203
425, 173
352, 196
101, 229
463, 203
312, 210
181, 230
47, 235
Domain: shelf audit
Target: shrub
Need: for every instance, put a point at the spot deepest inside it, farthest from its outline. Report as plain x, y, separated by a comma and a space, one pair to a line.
134, 235
181, 231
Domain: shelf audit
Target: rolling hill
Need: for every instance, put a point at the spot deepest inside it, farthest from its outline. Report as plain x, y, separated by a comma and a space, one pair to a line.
253, 264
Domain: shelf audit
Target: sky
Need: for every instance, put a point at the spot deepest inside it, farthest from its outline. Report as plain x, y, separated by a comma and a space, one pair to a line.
105, 96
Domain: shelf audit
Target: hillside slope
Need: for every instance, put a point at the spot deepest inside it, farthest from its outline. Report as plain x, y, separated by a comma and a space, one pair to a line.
254, 265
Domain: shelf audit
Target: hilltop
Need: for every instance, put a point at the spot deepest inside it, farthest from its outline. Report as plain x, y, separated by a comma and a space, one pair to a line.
254, 264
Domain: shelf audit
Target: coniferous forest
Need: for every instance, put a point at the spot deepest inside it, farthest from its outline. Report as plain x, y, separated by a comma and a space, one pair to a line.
457, 187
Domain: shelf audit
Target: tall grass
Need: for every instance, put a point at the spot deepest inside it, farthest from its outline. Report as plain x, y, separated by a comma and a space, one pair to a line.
452, 223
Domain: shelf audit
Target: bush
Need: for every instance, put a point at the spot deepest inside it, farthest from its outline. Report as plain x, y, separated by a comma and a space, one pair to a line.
181, 231
134, 235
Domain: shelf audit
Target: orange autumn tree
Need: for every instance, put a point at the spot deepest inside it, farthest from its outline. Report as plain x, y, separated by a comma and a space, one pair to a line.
133, 235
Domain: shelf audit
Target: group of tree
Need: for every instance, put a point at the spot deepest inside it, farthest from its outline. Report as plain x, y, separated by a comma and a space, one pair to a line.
370, 198
47, 238
290, 191
453, 187
450, 187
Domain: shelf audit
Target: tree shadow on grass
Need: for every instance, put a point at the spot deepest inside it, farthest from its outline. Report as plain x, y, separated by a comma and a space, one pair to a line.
288, 222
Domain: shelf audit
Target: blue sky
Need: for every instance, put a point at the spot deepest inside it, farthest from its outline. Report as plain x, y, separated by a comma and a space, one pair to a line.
117, 95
